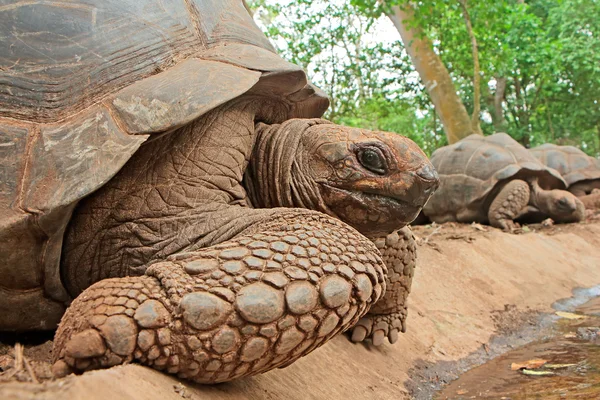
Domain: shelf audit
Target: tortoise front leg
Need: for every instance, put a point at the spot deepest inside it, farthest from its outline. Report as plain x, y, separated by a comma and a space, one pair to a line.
387, 317
581, 189
591, 201
509, 204
263, 299
588, 192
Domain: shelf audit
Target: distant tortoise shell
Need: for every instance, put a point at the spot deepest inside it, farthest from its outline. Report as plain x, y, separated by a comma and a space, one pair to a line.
572, 163
83, 84
472, 169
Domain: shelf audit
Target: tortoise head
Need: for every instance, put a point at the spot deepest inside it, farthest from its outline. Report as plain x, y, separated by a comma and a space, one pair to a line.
563, 206
560, 205
374, 181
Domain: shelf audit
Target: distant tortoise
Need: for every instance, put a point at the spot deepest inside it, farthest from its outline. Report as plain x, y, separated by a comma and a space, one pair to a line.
155, 143
493, 179
580, 171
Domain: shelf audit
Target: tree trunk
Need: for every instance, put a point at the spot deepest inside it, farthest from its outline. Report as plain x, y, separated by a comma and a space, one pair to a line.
499, 120
475, 122
433, 73
247, 7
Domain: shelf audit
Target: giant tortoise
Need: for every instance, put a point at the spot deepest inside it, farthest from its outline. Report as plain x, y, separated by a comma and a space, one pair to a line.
165, 181
580, 171
494, 179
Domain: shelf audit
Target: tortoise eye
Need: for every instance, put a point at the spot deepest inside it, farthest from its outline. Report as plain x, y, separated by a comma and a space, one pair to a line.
372, 159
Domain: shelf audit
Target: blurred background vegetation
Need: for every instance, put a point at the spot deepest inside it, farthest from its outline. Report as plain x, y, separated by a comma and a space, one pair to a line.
529, 68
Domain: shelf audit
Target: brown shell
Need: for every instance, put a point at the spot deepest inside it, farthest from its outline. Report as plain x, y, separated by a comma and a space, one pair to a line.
572, 163
84, 83
471, 169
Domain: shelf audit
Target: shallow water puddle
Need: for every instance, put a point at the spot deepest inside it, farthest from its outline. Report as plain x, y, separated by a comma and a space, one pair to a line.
565, 366
592, 307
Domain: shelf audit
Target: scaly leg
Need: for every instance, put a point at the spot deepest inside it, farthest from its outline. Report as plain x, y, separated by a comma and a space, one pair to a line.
591, 201
388, 316
583, 188
508, 203
588, 192
268, 296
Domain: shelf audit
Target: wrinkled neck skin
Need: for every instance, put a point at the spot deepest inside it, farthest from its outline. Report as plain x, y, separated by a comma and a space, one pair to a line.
543, 200
276, 174
539, 198
179, 192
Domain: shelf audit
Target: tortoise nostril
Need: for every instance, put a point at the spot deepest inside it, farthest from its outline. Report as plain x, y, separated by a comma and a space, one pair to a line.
428, 187
425, 184
428, 173
429, 180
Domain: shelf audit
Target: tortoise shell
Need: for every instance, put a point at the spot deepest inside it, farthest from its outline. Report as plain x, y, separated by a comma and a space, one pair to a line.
474, 169
82, 85
572, 163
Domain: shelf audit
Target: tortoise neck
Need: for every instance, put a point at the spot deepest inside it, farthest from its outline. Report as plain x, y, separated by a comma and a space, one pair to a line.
218, 147
277, 175
539, 198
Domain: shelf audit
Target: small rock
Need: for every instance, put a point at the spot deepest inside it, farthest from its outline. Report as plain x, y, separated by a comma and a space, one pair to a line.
548, 222
180, 389
588, 333
6, 362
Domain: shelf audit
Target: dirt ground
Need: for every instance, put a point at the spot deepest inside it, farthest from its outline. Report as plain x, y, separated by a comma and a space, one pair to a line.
477, 291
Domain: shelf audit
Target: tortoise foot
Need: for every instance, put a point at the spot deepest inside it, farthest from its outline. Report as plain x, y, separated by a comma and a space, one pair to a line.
387, 317
509, 226
378, 327
113, 322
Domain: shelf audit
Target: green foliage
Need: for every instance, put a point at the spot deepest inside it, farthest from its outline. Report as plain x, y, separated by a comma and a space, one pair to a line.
547, 51
574, 94
371, 82
397, 115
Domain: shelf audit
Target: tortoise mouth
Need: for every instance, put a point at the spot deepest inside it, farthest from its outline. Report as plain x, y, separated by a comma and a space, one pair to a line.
369, 211
383, 199
401, 210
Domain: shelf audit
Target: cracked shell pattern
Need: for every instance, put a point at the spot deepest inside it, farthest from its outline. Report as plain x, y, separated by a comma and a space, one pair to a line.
292, 286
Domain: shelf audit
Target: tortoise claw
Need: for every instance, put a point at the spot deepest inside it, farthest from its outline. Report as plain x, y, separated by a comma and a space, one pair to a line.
377, 327
60, 369
393, 336
378, 337
359, 333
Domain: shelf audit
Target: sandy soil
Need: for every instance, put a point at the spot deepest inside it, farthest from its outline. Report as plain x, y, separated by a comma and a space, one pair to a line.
473, 284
